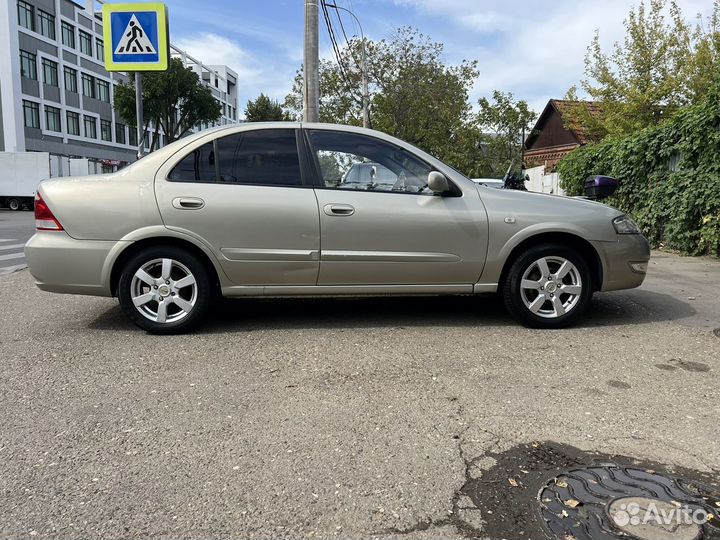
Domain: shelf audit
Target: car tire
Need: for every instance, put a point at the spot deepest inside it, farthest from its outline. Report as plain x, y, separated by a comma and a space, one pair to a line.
549, 294
165, 290
14, 204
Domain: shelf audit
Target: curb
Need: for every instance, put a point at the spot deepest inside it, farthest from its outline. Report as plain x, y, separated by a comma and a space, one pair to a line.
12, 269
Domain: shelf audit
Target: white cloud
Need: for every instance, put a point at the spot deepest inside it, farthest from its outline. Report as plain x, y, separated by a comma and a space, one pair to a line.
212, 48
255, 74
535, 49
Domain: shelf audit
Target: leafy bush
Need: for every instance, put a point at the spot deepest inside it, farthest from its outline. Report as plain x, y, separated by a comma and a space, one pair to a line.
670, 176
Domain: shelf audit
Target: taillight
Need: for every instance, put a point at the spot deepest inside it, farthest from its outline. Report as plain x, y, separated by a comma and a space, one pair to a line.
44, 218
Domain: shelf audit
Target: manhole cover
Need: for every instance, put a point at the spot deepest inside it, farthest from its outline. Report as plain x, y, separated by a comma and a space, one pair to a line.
610, 502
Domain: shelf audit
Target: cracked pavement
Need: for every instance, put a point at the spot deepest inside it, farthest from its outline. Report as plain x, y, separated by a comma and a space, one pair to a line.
326, 418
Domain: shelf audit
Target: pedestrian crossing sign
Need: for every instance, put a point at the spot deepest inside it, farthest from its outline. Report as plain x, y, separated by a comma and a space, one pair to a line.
136, 37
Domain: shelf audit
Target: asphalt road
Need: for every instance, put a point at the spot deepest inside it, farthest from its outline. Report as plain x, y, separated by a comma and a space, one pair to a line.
336, 418
16, 228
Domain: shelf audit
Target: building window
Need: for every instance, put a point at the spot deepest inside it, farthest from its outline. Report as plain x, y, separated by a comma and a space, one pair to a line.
68, 34
90, 125
106, 130
119, 133
132, 136
47, 24
31, 112
103, 91
28, 65
88, 85
71, 80
26, 15
52, 118
50, 72
73, 123
99, 49
85, 43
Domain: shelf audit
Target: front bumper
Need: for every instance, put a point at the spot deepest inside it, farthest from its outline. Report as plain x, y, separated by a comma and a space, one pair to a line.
62, 264
623, 261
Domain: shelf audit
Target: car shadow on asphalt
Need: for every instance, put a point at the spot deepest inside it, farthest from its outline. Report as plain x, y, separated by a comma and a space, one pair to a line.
246, 314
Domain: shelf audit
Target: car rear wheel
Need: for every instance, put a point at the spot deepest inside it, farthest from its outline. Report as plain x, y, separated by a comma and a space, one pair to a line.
165, 290
548, 286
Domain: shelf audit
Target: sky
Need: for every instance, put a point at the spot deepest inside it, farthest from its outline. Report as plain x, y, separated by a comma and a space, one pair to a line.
534, 49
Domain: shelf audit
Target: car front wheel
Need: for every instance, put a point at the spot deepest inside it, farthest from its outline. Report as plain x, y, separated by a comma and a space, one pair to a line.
165, 290
548, 286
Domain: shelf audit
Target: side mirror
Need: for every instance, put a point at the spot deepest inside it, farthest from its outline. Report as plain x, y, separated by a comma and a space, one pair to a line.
437, 182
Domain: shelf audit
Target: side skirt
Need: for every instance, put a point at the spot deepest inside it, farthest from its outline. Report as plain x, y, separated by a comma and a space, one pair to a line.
347, 290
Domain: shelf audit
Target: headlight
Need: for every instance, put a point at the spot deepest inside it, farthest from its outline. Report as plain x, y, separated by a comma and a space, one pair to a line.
625, 225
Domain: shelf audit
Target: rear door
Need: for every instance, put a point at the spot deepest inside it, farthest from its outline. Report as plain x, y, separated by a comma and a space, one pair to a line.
391, 229
244, 196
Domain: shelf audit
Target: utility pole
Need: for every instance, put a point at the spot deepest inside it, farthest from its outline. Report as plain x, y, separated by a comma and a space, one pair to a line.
311, 64
365, 97
139, 115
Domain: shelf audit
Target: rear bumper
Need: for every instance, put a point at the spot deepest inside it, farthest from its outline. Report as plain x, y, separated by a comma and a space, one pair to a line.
62, 264
620, 261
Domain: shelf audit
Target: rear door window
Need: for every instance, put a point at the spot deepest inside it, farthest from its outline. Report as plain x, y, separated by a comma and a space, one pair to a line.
197, 166
261, 157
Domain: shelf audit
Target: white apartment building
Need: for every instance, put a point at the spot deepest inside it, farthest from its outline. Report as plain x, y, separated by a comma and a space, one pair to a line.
56, 96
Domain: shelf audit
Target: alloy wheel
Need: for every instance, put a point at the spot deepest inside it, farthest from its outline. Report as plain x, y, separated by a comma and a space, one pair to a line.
164, 290
551, 287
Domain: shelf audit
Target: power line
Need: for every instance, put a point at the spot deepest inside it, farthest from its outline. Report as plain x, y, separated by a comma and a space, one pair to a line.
362, 65
333, 40
336, 49
342, 27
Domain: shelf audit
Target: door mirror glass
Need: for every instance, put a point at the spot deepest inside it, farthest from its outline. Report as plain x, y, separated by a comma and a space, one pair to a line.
437, 182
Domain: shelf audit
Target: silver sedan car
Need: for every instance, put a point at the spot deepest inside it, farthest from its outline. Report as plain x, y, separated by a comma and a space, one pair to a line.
265, 210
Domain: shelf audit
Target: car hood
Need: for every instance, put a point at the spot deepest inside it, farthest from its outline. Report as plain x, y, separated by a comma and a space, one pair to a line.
540, 211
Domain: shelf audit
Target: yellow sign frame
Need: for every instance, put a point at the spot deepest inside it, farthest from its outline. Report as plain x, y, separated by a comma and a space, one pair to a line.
163, 36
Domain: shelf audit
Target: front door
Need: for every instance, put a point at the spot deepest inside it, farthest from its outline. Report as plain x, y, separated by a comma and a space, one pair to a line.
242, 194
381, 225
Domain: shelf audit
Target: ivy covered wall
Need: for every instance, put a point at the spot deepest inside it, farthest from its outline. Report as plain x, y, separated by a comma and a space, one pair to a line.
670, 177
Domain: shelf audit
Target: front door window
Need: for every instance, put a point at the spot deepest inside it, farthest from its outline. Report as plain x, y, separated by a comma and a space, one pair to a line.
351, 161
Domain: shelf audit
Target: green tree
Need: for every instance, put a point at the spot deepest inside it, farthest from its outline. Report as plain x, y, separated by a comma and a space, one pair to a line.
670, 176
413, 95
663, 63
264, 109
174, 100
504, 123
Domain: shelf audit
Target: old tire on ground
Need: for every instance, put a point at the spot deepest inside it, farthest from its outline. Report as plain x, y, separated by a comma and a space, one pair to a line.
548, 286
165, 290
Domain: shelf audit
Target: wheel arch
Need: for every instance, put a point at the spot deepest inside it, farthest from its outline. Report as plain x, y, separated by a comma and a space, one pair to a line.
585, 248
138, 245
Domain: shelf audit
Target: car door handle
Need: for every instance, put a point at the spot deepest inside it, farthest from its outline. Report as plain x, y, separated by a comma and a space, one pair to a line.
338, 210
188, 203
